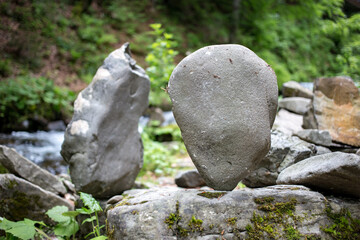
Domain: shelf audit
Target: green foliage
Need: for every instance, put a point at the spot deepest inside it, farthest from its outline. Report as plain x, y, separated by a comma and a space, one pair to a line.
26, 229
30, 98
92, 208
161, 64
157, 158
67, 225
344, 225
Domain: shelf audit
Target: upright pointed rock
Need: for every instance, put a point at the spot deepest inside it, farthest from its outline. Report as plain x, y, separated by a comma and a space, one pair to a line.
224, 101
102, 144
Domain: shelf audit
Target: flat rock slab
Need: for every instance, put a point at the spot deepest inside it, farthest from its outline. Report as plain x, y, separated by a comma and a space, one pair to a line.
287, 122
318, 137
284, 152
24, 168
337, 173
297, 105
224, 101
21, 199
294, 89
336, 108
241, 214
102, 144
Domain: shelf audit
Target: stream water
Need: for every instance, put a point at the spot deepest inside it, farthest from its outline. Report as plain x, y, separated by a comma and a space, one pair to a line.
43, 148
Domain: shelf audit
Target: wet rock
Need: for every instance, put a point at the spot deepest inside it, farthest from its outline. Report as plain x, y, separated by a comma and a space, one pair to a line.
224, 101
332, 172
196, 214
336, 108
56, 126
294, 89
287, 122
24, 168
297, 105
102, 143
318, 137
189, 179
21, 199
284, 151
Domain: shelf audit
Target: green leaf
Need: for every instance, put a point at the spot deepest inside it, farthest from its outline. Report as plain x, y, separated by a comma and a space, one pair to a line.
99, 238
93, 218
84, 211
90, 202
56, 214
66, 229
71, 214
23, 229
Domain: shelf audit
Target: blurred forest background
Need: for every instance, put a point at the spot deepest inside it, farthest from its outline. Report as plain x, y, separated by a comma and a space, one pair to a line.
50, 50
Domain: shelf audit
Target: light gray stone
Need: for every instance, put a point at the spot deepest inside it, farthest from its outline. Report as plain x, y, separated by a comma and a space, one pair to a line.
21, 199
102, 144
358, 152
294, 89
284, 152
335, 172
24, 168
224, 101
145, 214
297, 105
287, 122
322, 150
318, 137
189, 179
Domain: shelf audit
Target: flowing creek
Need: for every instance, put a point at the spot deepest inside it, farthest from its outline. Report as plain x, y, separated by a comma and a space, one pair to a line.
43, 148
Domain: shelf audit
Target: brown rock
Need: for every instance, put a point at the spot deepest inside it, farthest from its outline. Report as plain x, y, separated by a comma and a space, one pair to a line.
336, 108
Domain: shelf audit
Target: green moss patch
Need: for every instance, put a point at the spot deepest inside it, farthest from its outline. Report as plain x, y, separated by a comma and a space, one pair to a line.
212, 195
344, 225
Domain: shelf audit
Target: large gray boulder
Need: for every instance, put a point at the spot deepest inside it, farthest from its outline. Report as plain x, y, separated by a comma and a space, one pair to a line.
277, 212
21, 199
332, 172
24, 168
102, 144
224, 101
297, 105
284, 152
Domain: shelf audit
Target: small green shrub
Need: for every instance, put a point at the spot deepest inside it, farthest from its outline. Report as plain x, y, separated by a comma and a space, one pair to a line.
161, 64
29, 97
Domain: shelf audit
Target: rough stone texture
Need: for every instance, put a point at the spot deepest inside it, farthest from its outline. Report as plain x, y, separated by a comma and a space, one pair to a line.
24, 168
336, 108
224, 101
297, 105
322, 150
294, 89
287, 122
358, 152
142, 213
189, 179
284, 152
335, 172
318, 137
21, 199
102, 144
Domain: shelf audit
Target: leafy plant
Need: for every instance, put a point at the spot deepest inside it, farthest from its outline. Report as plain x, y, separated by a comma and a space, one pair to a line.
92, 208
26, 98
161, 63
67, 225
26, 229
